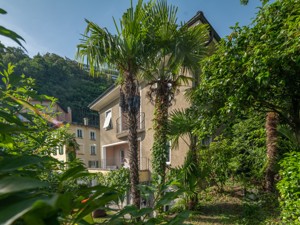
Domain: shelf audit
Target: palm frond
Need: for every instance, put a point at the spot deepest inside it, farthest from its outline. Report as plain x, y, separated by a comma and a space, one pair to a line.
289, 134
180, 124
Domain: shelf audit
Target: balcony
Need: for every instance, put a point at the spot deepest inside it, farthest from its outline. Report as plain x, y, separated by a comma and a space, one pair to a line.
109, 164
123, 124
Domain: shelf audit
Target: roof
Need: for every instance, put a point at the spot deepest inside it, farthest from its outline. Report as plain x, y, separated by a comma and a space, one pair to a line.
200, 16
102, 95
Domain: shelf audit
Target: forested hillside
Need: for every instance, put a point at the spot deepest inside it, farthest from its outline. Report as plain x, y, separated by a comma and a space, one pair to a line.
61, 78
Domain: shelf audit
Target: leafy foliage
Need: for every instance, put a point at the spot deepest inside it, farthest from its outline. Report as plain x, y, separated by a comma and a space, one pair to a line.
257, 67
289, 188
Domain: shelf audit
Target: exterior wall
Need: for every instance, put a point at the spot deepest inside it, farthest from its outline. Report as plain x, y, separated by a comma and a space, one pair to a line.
177, 155
109, 139
109, 136
85, 143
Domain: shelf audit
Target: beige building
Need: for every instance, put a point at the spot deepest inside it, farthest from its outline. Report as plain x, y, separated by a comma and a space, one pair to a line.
113, 143
87, 137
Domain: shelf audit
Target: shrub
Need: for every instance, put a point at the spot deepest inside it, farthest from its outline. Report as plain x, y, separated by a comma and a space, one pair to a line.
289, 188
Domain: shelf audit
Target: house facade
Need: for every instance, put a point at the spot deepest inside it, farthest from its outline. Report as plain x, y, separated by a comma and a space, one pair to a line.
113, 142
87, 137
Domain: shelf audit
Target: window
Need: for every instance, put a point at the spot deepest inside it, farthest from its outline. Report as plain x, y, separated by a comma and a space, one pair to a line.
122, 156
92, 135
206, 141
79, 133
168, 161
107, 123
93, 164
60, 149
93, 149
54, 151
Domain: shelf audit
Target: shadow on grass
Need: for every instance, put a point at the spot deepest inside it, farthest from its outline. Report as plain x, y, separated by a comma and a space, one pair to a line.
247, 213
217, 213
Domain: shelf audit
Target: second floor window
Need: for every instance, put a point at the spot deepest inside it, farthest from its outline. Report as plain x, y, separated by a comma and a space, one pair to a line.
92, 135
93, 149
107, 123
79, 133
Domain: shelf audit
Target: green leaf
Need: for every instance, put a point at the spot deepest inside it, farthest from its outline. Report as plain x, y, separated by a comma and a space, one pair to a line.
74, 172
7, 128
16, 209
11, 163
167, 198
9, 185
2, 11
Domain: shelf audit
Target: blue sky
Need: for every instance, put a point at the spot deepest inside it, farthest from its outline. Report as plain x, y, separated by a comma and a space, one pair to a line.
56, 26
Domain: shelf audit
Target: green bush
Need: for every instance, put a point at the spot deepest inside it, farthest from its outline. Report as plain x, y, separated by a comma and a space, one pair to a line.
289, 188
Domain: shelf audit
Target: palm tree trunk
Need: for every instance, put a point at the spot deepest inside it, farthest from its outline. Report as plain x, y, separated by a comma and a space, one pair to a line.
133, 109
271, 131
160, 145
193, 200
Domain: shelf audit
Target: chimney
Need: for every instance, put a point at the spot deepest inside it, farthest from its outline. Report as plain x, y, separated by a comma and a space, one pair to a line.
69, 115
85, 121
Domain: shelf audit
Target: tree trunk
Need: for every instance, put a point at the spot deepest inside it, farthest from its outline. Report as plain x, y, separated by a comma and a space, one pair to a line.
271, 131
193, 200
133, 109
160, 145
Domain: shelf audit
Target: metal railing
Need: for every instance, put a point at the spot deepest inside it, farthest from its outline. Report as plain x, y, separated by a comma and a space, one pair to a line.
123, 124
113, 164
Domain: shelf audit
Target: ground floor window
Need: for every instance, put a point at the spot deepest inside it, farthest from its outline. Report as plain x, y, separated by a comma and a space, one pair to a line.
93, 164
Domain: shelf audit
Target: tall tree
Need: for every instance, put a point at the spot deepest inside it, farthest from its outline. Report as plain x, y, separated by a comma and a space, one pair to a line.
256, 67
125, 51
177, 50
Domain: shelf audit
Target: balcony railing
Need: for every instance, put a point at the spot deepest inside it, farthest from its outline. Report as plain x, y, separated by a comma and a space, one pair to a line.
123, 124
113, 164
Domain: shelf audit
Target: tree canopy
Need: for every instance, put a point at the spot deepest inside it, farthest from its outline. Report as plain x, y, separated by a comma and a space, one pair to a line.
256, 66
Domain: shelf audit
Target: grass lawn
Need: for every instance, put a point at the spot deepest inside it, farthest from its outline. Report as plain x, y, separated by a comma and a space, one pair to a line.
231, 206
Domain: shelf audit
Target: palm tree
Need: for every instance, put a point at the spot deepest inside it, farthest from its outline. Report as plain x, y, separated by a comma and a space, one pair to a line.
177, 50
181, 125
272, 150
125, 51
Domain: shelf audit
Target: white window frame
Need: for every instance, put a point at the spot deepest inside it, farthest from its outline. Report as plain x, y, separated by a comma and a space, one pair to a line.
93, 137
77, 130
95, 149
108, 120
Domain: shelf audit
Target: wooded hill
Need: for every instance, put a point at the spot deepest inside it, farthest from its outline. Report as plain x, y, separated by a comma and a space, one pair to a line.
61, 78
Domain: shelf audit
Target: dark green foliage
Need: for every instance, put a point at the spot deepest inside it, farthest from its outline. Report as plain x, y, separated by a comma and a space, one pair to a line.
61, 78
255, 67
289, 188
35, 188
239, 153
